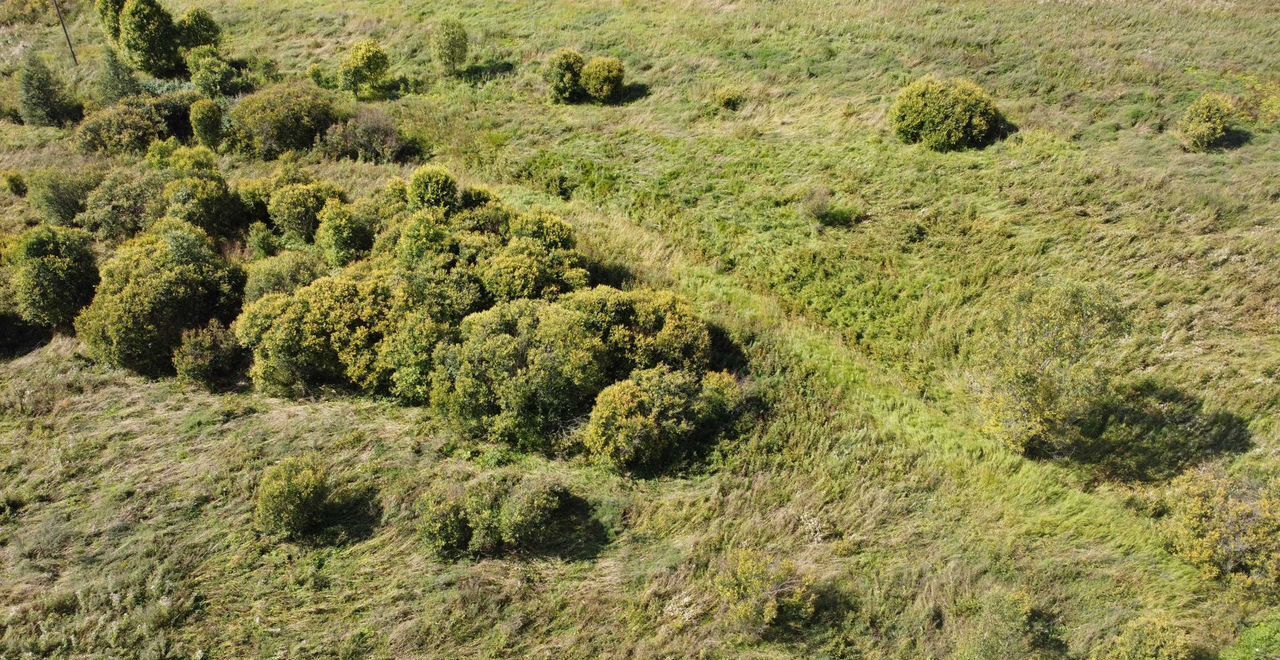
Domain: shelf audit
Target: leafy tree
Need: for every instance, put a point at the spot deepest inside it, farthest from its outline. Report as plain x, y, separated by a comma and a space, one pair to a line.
433, 186
42, 99
450, 45
150, 38
197, 28
54, 275
364, 66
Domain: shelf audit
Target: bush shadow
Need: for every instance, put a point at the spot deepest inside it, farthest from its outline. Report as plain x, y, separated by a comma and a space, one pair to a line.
486, 71
353, 515
577, 534
1234, 139
18, 338
630, 94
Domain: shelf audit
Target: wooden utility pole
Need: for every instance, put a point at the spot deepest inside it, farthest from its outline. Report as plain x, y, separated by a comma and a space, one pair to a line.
57, 6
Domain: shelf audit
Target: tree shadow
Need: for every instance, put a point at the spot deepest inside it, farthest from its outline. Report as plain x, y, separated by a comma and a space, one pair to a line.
612, 273
18, 338
353, 516
487, 71
1153, 432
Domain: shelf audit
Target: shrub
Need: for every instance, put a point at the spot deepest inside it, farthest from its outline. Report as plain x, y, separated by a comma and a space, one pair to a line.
293, 497
150, 38
209, 357
206, 122
521, 372
211, 74
261, 241
14, 182
115, 79
444, 523
170, 155
109, 13
342, 237
476, 199
370, 135
289, 356
364, 66
126, 202
494, 514
644, 328
59, 195
528, 517
1227, 528
432, 186
758, 593
119, 129
648, 420
602, 78
1148, 638
564, 75
450, 45
42, 99
409, 354
283, 273
204, 201
1206, 122
255, 194
525, 268
295, 209
197, 28
167, 280
280, 118
945, 115
1258, 642
54, 274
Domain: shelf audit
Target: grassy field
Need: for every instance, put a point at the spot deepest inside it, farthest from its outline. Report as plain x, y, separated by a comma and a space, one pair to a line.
126, 521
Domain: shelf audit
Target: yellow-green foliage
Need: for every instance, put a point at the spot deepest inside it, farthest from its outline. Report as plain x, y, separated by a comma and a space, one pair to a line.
410, 351
1228, 528
564, 74
166, 280
255, 194
109, 13
53, 275
171, 155
204, 201
644, 328
945, 115
449, 44
432, 186
197, 28
602, 78
493, 514
524, 268
759, 593
364, 66
295, 209
293, 497
127, 201
342, 236
211, 73
206, 122
1258, 642
59, 195
119, 129
209, 357
282, 273
1206, 121
150, 38
281, 118
1148, 638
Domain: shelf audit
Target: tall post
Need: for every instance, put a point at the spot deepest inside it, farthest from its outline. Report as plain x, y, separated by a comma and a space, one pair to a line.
57, 6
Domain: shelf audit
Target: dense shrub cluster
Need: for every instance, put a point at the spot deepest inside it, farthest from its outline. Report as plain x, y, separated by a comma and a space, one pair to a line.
572, 77
295, 209
945, 115
205, 201
494, 514
280, 118
209, 357
119, 129
127, 201
369, 136
214, 75
282, 273
293, 497
1206, 122
343, 236
1148, 638
53, 275
1229, 528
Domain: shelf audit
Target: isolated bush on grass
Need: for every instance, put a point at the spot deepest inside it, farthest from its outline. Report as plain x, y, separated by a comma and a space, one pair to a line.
280, 118
1148, 638
432, 186
1229, 528
293, 497
283, 273
295, 209
166, 280
564, 75
370, 136
449, 45
115, 79
126, 202
54, 274
342, 237
364, 66
602, 78
945, 115
197, 28
204, 201
206, 122
149, 38
209, 357
59, 195
42, 98
119, 129
1206, 122
759, 594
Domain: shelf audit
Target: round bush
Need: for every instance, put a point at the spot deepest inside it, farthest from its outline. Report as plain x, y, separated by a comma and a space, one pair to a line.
409, 354
197, 28
173, 108
444, 523
284, 273
293, 497
1206, 122
365, 65
42, 99
644, 328
280, 118
204, 201
256, 193
126, 202
432, 186
54, 275
945, 115
530, 513
206, 122
209, 357
150, 38
450, 45
59, 195
167, 280
211, 74
342, 237
642, 422
602, 78
295, 209
524, 268
289, 354
564, 75
119, 129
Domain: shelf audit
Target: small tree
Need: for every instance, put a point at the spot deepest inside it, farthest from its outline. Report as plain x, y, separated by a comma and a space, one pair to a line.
206, 122
59, 195
210, 73
42, 100
365, 66
116, 80
150, 38
433, 186
602, 78
109, 13
197, 28
451, 45
54, 275
564, 75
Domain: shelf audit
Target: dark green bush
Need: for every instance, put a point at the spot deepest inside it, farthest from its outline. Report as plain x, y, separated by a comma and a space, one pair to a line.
150, 38
109, 13
494, 514
59, 195
115, 79
280, 118
206, 202
42, 98
564, 75
530, 513
14, 182
126, 202
450, 45
206, 122
295, 209
602, 78
209, 357
945, 115
255, 194
174, 109
283, 273
197, 28
166, 280
369, 136
432, 186
1206, 122
444, 522
364, 66
260, 241
54, 275
119, 129
293, 497
342, 237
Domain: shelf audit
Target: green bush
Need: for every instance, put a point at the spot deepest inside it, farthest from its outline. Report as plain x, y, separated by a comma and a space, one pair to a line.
115, 79
173, 109
59, 195
42, 99
126, 202
209, 357
409, 353
368, 136
211, 74
150, 38
450, 45
602, 78
119, 129
1148, 638
529, 514
295, 209
197, 28
758, 593
945, 115
564, 75
171, 156
342, 237
281, 118
525, 268
365, 66
283, 273
166, 280
206, 122
476, 199
644, 328
444, 523
648, 420
1259, 642
494, 514
204, 201
293, 497
260, 241
1227, 528
1206, 122
109, 13
432, 186
54, 275
289, 355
